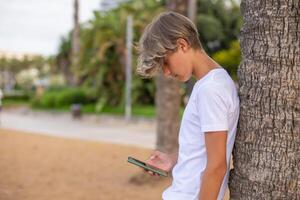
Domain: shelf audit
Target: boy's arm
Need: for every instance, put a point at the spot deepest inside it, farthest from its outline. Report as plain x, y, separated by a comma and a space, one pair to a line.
216, 166
174, 157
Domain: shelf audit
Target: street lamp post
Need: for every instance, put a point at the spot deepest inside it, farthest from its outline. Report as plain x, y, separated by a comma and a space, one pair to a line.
128, 68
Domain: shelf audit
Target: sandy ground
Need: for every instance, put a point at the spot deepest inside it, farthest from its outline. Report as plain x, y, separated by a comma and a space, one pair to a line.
38, 167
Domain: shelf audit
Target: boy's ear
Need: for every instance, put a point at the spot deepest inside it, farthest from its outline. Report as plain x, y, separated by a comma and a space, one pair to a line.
182, 44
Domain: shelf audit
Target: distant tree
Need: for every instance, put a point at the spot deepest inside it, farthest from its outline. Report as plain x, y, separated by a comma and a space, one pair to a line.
229, 58
75, 43
218, 23
63, 59
168, 99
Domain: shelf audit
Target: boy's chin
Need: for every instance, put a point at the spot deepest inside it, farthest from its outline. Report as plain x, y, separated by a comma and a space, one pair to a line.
185, 79
180, 79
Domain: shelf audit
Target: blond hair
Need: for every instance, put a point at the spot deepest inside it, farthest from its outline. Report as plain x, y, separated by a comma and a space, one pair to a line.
161, 36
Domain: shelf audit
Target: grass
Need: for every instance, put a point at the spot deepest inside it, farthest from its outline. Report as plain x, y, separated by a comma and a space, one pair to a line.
137, 110
148, 111
12, 103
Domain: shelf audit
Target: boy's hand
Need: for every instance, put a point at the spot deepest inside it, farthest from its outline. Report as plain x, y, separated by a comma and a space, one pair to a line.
161, 161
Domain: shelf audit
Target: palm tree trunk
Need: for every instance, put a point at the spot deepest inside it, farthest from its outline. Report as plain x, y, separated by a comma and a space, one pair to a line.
267, 148
75, 42
192, 13
168, 100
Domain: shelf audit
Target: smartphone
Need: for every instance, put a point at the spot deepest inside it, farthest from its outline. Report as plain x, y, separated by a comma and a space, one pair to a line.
143, 165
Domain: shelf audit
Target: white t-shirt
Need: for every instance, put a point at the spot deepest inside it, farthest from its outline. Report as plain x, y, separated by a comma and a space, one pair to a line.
213, 106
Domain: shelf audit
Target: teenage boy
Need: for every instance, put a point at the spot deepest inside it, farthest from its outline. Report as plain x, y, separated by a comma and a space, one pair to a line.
200, 167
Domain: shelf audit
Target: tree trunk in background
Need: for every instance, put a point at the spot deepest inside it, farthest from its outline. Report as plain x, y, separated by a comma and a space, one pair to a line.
179, 6
192, 15
64, 65
267, 147
75, 43
168, 100
9, 80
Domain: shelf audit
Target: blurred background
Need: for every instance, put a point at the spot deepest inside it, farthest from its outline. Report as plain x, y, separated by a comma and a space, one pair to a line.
73, 108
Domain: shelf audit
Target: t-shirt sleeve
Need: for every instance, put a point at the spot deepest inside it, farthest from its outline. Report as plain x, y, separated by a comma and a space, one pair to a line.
212, 108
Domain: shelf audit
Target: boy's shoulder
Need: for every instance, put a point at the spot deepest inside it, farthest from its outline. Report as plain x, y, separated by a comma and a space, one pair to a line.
210, 90
218, 81
218, 87
223, 78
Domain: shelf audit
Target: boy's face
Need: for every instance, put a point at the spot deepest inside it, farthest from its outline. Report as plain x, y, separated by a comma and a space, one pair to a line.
177, 64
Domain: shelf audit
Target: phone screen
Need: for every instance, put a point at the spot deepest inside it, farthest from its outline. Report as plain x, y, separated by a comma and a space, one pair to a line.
143, 165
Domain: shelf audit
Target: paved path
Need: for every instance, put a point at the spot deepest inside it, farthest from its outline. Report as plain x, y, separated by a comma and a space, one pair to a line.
106, 129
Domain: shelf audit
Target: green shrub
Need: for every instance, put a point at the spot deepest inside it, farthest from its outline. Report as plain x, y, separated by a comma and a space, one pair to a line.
35, 102
229, 58
17, 95
48, 100
61, 97
70, 96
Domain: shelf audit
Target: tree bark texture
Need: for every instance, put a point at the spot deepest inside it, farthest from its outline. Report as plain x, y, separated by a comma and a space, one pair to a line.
267, 148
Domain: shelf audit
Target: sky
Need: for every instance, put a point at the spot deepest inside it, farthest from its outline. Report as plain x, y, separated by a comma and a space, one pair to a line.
36, 26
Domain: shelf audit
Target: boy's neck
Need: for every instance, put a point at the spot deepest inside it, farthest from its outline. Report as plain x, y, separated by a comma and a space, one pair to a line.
202, 64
